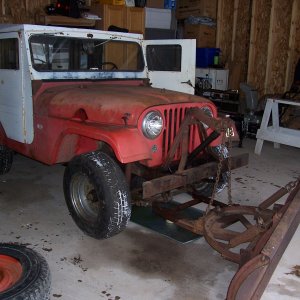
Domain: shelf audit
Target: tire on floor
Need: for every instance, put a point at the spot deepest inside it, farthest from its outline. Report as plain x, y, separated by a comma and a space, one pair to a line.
24, 274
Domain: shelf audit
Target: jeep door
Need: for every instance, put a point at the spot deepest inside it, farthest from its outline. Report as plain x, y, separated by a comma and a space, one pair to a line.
15, 92
170, 64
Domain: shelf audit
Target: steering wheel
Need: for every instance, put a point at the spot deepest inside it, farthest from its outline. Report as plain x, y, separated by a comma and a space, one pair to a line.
114, 66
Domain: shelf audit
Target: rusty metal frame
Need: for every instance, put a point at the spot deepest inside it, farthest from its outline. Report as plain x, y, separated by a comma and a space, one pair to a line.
199, 117
267, 234
267, 240
160, 181
189, 176
253, 276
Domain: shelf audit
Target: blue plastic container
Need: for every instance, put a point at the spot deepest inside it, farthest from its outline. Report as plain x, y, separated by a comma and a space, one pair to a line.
170, 4
205, 56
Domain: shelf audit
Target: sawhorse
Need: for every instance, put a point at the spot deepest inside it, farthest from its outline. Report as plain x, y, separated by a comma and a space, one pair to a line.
275, 133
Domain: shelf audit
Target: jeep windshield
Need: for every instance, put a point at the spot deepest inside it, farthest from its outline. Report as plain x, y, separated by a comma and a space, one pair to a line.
60, 54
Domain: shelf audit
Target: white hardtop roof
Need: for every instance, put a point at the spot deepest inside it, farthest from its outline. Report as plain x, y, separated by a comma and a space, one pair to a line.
4, 28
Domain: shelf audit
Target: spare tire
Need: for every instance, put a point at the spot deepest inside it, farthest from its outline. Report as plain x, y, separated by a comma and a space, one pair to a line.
24, 274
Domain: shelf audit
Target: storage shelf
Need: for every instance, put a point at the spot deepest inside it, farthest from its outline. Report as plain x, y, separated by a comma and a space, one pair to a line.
67, 21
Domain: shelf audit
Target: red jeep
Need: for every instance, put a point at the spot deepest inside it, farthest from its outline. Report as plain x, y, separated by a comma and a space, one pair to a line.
104, 104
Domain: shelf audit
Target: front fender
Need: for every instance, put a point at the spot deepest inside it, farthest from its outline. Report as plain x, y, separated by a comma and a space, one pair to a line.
127, 143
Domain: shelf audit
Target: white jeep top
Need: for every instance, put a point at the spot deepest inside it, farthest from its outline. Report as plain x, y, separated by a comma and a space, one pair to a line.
33, 52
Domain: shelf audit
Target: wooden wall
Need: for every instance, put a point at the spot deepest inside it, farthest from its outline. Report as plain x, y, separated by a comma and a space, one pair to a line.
259, 39
260, 42
21, 11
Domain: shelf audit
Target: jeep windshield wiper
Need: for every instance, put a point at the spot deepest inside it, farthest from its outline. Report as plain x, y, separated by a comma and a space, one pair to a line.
106, 41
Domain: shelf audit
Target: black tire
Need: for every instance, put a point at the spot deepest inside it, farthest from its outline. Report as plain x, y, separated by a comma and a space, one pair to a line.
97, 195
205, 188
34, 283
6, 159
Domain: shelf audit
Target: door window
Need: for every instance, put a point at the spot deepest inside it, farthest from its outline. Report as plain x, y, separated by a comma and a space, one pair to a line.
9, 54
164, 57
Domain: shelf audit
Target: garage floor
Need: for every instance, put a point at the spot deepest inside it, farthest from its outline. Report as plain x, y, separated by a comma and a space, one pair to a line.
138, 263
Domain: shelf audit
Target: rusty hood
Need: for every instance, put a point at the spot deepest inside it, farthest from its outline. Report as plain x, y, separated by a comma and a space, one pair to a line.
107, 104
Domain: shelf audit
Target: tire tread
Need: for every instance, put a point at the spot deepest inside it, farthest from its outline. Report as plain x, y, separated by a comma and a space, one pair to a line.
37, 285
102, 169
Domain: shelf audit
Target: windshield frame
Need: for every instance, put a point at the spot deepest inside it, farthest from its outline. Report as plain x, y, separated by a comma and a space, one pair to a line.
84, 74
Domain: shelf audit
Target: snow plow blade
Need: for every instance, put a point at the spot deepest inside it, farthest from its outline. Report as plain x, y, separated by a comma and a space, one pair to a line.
255, 272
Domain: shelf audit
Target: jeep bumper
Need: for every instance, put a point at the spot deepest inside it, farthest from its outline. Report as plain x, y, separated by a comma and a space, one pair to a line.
189, 176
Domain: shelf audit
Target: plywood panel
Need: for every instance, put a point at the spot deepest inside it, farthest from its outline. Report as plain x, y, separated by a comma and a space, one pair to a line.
258, 52
233, 36
34, 7
260, 42
114, 15
21, 11
278, 46
135, 19
241, 35
294, 45
2, 8
243, 26
16, 9
225, 28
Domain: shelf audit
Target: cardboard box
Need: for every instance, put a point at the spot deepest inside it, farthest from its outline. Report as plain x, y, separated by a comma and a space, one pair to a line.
158, 18
155, 3
205, 35
196, 8
218, 78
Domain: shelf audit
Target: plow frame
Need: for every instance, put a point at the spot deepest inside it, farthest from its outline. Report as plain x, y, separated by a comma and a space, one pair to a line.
266, 234
253, 276
258, 261
189, 171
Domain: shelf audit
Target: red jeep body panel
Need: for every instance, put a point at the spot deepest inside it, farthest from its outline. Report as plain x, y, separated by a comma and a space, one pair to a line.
71, 118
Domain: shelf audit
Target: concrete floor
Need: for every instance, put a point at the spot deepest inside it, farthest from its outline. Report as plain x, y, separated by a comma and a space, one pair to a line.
138, 263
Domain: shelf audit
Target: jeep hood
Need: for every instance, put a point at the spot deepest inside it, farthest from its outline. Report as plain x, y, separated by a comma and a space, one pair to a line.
106, 104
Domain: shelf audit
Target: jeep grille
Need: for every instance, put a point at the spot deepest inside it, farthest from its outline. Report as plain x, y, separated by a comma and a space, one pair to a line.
174, 118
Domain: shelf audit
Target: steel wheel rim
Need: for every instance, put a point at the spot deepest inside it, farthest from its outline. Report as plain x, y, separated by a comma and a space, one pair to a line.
10, 272
84, 198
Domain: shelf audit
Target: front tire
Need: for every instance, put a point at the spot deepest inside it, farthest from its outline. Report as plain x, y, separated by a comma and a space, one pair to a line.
97, 195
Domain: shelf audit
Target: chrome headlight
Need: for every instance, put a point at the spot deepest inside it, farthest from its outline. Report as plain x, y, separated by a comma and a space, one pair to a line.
152, 125
207, 110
